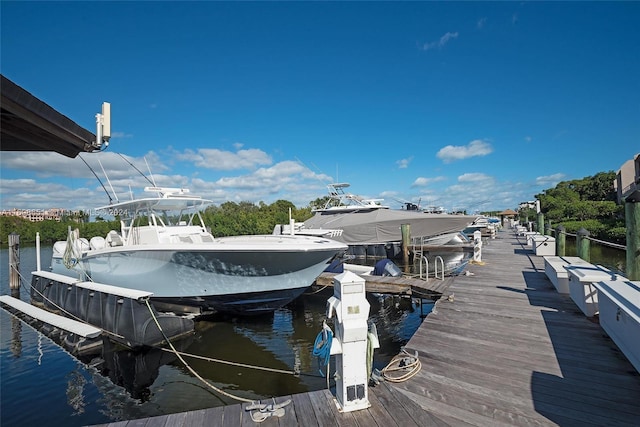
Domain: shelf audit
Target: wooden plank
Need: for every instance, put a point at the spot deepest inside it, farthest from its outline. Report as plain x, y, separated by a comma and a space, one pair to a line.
176, 420
231, 416
323, 413
195, 418
395, 285
344, 419
304, 410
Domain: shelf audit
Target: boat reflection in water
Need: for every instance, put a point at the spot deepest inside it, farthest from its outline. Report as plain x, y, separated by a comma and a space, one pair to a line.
156, 382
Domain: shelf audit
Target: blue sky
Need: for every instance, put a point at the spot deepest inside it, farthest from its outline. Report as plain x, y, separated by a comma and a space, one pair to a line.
466, 105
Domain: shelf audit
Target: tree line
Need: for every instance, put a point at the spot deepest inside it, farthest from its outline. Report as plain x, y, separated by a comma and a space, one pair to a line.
589, 203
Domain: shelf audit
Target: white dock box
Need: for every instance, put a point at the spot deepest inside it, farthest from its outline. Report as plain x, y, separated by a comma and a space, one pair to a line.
555, 268
620, 316
529, 235
543, 245
582, 289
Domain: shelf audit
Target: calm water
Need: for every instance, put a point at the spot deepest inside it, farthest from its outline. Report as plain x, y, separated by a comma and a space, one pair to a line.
41, 384
612, 258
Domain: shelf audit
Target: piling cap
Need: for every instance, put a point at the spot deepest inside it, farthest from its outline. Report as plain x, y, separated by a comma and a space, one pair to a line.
583, 232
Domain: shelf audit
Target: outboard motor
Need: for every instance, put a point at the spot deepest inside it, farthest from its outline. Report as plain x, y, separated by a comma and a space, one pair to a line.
386, 267
336, 266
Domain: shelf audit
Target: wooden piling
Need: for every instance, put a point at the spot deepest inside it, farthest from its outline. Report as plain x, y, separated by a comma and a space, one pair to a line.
561, 240
540, 223
406, 239
632, 220
583, 245
14, 261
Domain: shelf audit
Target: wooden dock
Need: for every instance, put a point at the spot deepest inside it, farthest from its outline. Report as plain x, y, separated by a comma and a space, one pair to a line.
503, 349
397, 285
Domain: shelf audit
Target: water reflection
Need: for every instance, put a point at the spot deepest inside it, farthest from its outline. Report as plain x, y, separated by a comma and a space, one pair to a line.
156, 382
612, 258
75, 391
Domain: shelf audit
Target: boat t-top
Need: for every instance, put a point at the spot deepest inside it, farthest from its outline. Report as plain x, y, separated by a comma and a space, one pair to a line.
340, 202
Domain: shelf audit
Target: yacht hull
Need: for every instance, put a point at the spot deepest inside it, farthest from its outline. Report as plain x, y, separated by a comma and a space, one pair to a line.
233, 275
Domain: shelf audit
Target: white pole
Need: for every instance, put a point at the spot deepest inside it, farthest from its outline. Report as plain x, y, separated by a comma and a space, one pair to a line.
37, 251
98, 130
292, 224
477, 246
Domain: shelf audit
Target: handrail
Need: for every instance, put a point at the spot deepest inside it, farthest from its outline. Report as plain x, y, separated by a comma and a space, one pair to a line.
427, 264
435, 273
593, 239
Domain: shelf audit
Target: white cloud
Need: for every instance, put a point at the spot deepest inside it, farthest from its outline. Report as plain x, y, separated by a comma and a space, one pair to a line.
404, 163
481, 23
47, 164
550, 180
441, 42
475, 148
423, 182
212, 158
474, 177
121, 135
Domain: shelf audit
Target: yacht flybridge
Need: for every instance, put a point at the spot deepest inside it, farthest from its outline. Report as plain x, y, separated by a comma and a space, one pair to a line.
165, 248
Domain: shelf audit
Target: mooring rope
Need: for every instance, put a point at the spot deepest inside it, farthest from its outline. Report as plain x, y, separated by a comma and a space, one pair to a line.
259, 411
184, 362
226, 362
404, 362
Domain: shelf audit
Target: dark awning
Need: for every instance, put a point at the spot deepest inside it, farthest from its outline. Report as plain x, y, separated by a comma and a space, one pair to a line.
28, 124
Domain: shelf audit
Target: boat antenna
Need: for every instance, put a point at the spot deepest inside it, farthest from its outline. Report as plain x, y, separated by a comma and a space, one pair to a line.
108, 181
317, 170
94, 174
153, 181
133, 166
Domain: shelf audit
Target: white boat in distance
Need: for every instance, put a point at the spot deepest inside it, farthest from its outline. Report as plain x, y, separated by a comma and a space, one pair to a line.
165, 248
341, 202
366, 222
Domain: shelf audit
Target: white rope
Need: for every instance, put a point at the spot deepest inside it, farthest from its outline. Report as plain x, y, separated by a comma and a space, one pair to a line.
409, 365
260, 411
184, 362
70, 256
226, 362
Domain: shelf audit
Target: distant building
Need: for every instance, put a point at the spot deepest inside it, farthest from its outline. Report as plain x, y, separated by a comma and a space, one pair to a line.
35, 215
628, 178
535, 204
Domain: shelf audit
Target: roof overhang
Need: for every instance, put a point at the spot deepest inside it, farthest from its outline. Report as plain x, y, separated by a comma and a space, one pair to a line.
28, 124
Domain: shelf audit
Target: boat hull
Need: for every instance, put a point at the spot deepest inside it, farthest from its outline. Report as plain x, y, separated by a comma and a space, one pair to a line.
229, 276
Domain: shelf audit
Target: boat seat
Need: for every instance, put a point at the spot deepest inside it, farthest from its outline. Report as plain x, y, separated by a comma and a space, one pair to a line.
97, 242
82, 244
113, 239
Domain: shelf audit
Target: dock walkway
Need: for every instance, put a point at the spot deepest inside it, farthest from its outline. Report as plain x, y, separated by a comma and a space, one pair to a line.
502, 349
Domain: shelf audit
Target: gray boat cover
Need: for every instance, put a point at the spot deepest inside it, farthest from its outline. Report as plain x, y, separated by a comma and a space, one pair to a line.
380, 226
